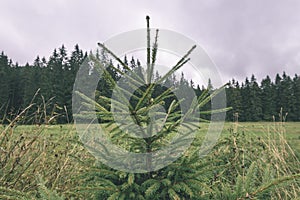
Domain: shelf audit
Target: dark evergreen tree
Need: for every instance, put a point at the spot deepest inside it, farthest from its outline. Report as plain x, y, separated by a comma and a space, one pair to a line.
255, 101
56, 78
245, 91
285, 99
288, 98
268, 102
4, 86
296, 89
278, 97
234, 100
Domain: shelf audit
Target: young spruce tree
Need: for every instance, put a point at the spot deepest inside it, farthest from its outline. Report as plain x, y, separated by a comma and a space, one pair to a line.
182, 178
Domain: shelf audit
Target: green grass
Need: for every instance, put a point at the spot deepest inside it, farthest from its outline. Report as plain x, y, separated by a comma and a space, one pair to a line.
63, 134
51, 159
290, 130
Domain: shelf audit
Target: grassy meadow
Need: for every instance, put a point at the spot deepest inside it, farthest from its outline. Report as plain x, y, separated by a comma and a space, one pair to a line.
289, 130
49, 162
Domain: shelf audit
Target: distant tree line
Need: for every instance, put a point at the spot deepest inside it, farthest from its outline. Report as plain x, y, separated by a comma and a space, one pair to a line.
49, 83
267, 101
52, 78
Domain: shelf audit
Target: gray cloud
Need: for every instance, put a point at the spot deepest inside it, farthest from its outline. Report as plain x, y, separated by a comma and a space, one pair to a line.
242, 37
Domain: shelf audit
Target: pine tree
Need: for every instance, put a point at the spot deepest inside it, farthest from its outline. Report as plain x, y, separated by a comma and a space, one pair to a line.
251, 103
296, 89
234, 100
4, 89
15, 88
285, 98
288, 103
268, 99
32, 81
245, 91
57, 65
278, 87
75, 61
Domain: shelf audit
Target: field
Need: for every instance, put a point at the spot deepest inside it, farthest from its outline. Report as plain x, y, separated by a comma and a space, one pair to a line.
289, 130
48, 161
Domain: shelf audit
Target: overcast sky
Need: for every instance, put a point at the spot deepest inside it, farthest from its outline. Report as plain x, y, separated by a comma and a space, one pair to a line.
242, 37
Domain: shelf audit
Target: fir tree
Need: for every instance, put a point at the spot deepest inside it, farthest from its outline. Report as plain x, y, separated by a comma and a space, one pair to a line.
178, 180
268, 99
